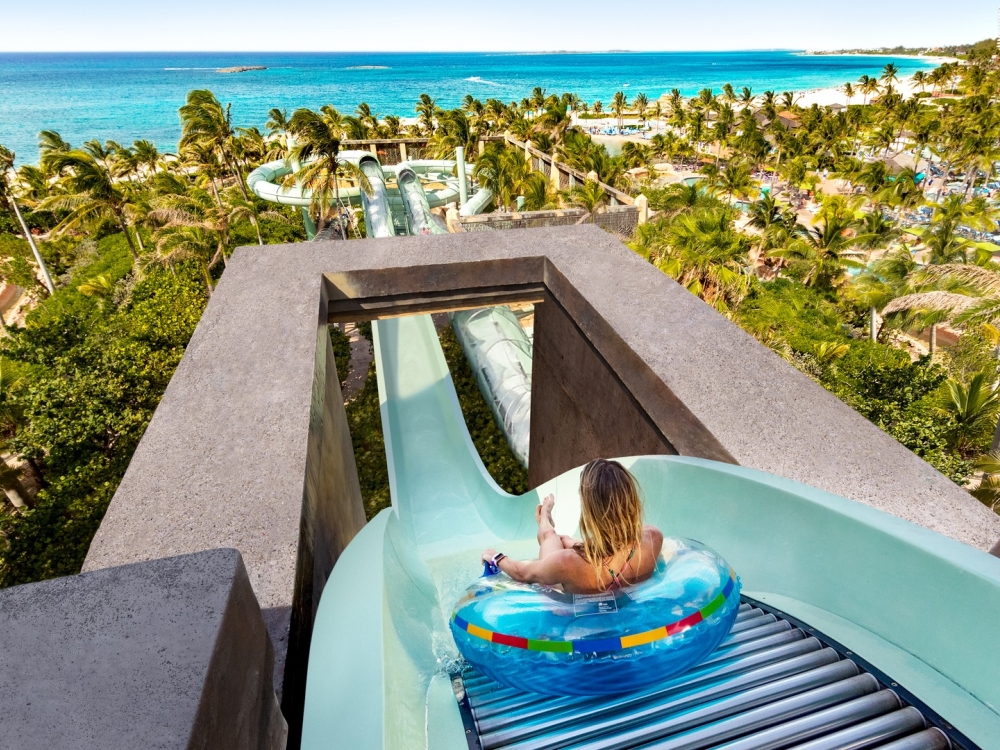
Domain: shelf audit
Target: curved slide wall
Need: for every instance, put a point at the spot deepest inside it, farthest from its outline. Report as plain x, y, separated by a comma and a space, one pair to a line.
910, 601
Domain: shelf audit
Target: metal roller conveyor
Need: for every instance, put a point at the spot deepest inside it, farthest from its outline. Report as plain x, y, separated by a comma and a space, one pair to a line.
769, 685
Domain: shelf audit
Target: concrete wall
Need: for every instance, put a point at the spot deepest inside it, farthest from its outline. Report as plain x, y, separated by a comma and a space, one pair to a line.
166, 654
332, 513
579, 408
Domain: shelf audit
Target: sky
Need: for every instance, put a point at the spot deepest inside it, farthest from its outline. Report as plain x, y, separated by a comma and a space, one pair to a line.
481, 25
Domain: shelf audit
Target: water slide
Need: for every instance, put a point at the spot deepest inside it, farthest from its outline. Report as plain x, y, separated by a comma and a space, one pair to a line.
855, 630
500, 355
415, 203
434, 179
375, 199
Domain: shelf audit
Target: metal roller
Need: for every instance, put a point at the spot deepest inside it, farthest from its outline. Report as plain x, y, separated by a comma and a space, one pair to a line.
654, 704
753, 622
870, 733
929, 739
828, 720
630, 728
764, 716
688, 681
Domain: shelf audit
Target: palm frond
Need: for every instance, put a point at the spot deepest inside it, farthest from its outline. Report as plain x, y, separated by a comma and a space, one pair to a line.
930, 302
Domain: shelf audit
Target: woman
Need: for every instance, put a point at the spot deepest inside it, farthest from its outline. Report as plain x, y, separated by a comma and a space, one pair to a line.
617, 550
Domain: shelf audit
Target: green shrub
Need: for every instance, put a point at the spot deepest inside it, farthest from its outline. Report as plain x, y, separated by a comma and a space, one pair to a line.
97, 373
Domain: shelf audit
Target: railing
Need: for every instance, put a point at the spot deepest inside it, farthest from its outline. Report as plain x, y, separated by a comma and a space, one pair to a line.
568, 177
390, 151
524, 219
618, 220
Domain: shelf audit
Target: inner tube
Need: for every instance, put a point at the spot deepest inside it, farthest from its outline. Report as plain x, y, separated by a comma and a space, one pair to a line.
542, 640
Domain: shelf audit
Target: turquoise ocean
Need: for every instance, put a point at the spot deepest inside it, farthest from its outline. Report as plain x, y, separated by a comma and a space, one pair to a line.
125, 96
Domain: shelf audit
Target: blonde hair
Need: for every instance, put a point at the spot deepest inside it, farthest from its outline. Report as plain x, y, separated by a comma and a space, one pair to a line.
610, 512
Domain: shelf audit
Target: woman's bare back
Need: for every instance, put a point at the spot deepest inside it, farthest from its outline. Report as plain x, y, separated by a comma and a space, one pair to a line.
625, 568
561, 562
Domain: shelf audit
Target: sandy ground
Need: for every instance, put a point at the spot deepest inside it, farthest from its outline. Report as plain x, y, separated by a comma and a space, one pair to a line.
826, 97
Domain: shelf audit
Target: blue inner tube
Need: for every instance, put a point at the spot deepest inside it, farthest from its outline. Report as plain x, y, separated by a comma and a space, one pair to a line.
545, 641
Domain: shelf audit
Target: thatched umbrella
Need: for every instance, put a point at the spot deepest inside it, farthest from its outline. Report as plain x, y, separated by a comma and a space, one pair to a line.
931, 302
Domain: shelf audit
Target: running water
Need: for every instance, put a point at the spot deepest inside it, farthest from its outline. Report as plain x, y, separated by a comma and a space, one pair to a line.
125, 96
452, 576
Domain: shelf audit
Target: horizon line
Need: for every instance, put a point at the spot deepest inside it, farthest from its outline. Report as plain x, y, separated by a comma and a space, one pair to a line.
451, 52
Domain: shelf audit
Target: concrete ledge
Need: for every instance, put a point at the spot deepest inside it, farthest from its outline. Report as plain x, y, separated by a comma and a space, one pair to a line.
166, 654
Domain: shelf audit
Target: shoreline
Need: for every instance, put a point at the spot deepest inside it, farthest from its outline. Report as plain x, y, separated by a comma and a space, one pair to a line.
826, 97
939, 59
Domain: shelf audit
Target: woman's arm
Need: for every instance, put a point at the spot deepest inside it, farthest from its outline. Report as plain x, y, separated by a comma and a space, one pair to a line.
551, 570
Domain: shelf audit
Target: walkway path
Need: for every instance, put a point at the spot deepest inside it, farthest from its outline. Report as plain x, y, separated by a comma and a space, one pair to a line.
361, 359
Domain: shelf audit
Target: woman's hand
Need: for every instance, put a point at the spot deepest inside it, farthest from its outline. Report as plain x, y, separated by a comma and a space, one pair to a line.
488, 555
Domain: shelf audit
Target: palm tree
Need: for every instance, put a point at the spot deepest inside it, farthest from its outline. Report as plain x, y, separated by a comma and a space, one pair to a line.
777, 223
334, 120
7, 201
454, 129
849, 92
705, 100
946, 245
707, 256
747, 98
657, 112
92, 192
973, 408
988, 491
537, 100
367, 118
50, 144
641, 104
821, 254
867, 86
618, 105
590, 195
426, 109
178, 243
147, 155
679, 198
737, 182
920, 78
890, 75
502, 171
206, 123
318, 150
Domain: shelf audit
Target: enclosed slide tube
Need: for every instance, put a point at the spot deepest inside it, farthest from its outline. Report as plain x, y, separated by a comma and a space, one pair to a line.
418, 210
375, 199
499, 353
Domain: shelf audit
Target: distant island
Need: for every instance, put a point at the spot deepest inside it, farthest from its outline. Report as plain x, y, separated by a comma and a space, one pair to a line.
241, 69
954, 50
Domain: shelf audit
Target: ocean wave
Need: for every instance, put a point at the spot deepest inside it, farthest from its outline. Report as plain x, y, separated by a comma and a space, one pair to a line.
368, 67
189, 68
477, 79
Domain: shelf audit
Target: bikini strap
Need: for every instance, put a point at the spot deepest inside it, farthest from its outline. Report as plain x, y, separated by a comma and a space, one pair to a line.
616, 577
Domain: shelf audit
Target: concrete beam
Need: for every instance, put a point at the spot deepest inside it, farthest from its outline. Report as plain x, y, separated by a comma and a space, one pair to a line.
171, 654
